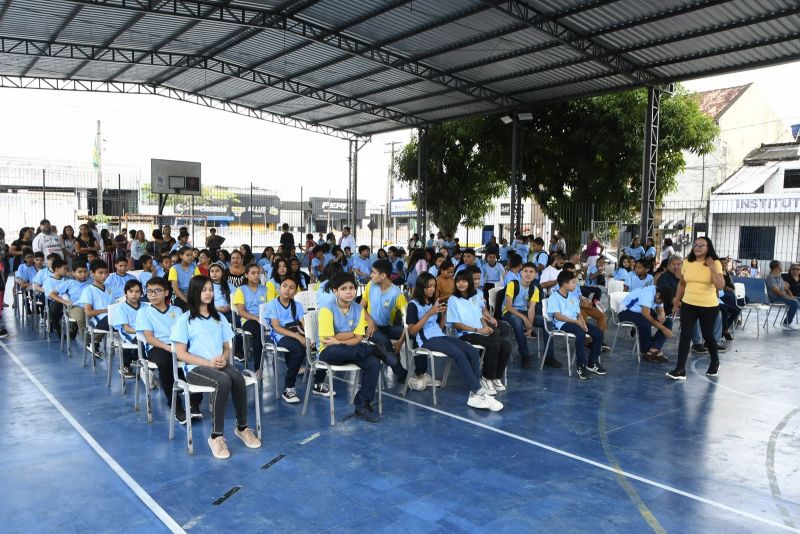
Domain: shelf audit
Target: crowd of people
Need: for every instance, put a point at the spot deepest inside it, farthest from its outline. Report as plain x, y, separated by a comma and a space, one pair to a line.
447, 299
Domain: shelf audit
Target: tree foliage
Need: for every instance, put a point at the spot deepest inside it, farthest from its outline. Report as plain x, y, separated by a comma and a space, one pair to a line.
584, 151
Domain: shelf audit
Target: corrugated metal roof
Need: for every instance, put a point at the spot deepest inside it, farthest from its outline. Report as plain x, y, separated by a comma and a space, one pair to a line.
773, 152
390, 64
748, 179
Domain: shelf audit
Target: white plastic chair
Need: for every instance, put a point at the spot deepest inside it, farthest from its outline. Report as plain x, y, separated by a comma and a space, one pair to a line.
743, 305
552, 333
493, 297
88, 341
144, 371
118, 344
310, 320
66, 322
616, 303
308, 299
615, 286
411, 351
240, 331
182, 386
267, 347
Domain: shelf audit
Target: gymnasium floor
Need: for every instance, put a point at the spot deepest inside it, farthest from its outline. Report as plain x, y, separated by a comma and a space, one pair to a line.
628, 452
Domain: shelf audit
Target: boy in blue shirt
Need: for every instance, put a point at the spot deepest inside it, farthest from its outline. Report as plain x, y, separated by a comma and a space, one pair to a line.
383, 303
504, 250
514, 266
72, 293
116, 281
540, 257
95, 300
341, 328
165, 264
27, 270
362, 266
124, 322
155, 322
53, 286
468, 259
147, 269
491, 273
520, 246
317, 262
564, 306
644, 307
638, 277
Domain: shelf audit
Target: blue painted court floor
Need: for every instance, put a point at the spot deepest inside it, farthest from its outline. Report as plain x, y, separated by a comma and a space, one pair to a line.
627, 452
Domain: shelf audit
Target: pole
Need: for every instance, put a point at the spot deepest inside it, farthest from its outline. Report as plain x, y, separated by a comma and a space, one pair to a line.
383, 223
303, 213
329, 212
99, 148
251, 214
650, 162
514, 192
44, 194
119, 200
191, 221
353, 228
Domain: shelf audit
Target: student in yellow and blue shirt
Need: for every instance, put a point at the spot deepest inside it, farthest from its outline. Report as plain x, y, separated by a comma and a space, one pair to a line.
384, 302
342, 325
179, 276
247, 299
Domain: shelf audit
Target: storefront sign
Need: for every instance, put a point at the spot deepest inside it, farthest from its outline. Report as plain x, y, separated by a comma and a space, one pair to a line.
756, 204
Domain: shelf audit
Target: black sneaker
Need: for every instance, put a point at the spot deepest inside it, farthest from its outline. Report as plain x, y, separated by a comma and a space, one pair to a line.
3, 333
180, 416
525, 363
239, 358
721, 348
323, 390
552, 362
290, 395
362, 413
196, 413
583, 373
596, 369
126, 372
713, 369
605, 348
699, 349
728, 337
676, 375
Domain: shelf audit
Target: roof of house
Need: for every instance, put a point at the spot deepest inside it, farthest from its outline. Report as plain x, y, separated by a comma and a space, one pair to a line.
773, 152
761, 164
716, 102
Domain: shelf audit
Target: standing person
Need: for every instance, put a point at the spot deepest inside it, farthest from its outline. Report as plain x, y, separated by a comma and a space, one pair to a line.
247, 298
491, 247
41, 233
214, 242
593, 250
347, 240
701, 278
202, 342
121, 243
70, 244
778, 290
287, 238
561, 244
667, 251
138, 249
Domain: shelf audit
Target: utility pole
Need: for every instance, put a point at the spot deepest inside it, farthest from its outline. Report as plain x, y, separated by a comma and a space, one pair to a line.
389, 181
98, 163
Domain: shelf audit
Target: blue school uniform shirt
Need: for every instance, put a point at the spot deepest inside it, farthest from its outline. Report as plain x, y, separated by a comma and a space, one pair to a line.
464, 266
466, 311
590, 271
160, 271
383, 306
316, 267
569, 306
433, 271
651, 251
53, 284
204, 336
430, 329
220, 300
510, 275
276, 310
362, 264
158, 322
524, 296
39, 277
26, 273
621, 274
541, 258
265, 264
98, 298
125, 314
183, 277
397, 266
504, 252
324, 297
144, 276
328, 257
492, 275
637, 253
634, 282
643, 296
73, 289
521, 248
332, 321
116, 284
250, 298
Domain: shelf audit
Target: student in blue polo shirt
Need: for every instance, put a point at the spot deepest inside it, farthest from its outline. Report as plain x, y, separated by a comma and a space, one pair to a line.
163, 267
280, 270
325, 296
513, 267
468, 259
644, 307
438, 261
520, 246
317, 262
341, 328
638, 277
73, 290
146, 261
155, 322
362, 265
426, 319
222, 291
564, 306
26, 270
468, 316
180, 275
383, 303
95, 300
624, 268
285, 316
492, 273
202, 343
540, 258
124, 322
635, 250
53, 287
42, 275
117, 280
247, 298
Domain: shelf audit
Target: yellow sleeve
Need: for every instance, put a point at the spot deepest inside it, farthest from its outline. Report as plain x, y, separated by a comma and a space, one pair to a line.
325, 323
173, 275
510, 290
401, 302
535, 298
365, 294
271, 292
238, 297
197, 271
718, 266
361, 327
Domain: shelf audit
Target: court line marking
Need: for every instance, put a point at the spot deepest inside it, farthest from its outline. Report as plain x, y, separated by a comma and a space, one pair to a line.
134, 486
599, 465
733, 390
634, 496
770, 466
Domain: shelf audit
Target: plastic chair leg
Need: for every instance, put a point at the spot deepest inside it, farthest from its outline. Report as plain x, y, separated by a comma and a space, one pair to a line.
309, 385
330, 398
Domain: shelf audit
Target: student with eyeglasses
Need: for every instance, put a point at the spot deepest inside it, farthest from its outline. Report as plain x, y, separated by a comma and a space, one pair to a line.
697, 300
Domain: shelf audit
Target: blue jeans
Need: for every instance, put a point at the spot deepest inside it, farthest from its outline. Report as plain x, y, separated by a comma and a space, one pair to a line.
362, 356
467, 358
697, 335
580, 342
791, 307
644, 327
518, 326
294, 359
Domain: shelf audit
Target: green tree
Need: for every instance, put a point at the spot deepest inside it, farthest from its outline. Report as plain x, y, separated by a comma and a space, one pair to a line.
461, 185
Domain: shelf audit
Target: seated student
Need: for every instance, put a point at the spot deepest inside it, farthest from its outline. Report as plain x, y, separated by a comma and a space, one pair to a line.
468, 316
317, 262
222, 291
146, 261
41, 275
425, 318
95, 300
644, 307
635, 250
520, 246
504, 249
117, 280
91, 256
280, 270
247, 298
28, 269
203, 261
299, 276
182, 242
445, 284
266, 261
179, 276
468, 259
201, 338
492, 273
512, 268
397, 267
727, 306
287, 331
155, 322
595, 274
624, 269
639, 277
438, 261
650, 251
540, 257
164, 265
456, 256
383, 303
588, 309
362, 265
519, 310
71, 295
124, 321
325, 295
564, 307
341, 328
53, 287
549, 276
778, 291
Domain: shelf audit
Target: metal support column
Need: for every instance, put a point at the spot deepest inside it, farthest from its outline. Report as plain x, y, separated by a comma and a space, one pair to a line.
512, 227
650, 162
349, 196
421, 179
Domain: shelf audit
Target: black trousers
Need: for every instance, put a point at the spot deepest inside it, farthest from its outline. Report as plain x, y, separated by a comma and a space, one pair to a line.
227, 382
690, 315
496, 355
163, 361
254, 327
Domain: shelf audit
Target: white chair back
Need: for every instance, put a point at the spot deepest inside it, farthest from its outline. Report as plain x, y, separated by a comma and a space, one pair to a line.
136, 273
616, 300
308, 299
311, 328
111, 309
265, 324
546, 319
739, 290
615, 286
493, 297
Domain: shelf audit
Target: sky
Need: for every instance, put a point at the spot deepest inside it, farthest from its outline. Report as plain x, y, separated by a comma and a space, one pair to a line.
60, 126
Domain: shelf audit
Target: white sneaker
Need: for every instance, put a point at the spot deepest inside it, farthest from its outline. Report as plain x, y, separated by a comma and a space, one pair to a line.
479, 402
494, 404
417, 383
429, 381
498, 385
486, 384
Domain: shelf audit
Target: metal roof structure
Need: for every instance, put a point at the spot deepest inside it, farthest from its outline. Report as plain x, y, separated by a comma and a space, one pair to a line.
353, 68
